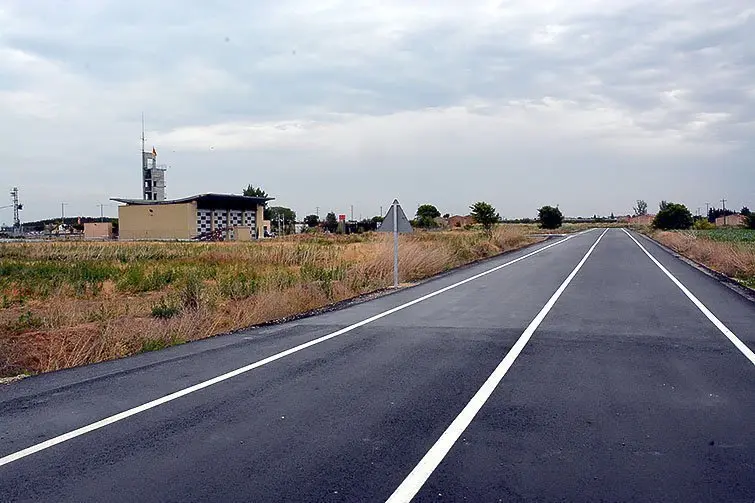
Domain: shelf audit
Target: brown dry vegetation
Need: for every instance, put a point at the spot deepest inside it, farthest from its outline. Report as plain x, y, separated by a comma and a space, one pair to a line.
68, 304
734, 259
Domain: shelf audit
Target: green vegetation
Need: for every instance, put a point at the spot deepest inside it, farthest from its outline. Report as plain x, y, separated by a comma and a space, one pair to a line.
426, 215
485, 215
672, 216
727, 234
550, 217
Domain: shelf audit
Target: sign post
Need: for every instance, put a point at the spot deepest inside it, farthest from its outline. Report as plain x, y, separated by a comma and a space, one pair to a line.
395, 221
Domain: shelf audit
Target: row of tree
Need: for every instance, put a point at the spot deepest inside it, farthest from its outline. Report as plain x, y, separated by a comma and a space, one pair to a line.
283, 219
486, 215
677, 216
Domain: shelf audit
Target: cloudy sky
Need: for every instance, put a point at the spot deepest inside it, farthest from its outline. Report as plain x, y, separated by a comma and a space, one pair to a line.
583, 103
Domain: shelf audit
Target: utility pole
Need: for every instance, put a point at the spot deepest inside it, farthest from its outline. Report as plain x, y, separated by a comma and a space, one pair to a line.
317, 212
352, 212
381, 211
723, 207
707, 210
102, 211
63, 212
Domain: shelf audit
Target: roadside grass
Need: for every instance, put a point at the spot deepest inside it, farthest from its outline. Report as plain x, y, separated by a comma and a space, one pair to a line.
68, 304
728, 251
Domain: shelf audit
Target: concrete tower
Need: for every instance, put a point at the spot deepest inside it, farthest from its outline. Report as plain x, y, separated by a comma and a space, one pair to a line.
153, 176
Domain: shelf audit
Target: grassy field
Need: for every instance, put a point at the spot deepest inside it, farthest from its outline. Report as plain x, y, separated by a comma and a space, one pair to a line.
728, 251
727, 235
67, 304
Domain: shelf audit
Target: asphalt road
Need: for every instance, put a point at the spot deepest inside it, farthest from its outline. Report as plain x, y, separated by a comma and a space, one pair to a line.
581, 372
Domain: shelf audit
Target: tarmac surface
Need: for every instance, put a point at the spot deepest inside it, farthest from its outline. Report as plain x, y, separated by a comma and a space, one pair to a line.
573, 370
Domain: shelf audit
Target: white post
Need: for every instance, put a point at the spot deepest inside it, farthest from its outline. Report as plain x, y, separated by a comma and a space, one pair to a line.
395, 245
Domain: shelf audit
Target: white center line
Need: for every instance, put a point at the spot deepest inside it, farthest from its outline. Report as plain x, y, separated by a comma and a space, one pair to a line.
741, 346
191, 389
427, 465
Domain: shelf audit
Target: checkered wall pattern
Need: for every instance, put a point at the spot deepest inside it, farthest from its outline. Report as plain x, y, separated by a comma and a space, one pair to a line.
204, 218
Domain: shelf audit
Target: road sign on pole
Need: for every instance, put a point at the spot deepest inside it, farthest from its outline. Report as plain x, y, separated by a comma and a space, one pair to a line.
395, 221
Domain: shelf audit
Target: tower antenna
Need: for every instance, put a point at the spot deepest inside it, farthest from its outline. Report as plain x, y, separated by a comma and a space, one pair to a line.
143, 132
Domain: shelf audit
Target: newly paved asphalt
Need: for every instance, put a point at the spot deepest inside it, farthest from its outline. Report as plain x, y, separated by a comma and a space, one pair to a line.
625, 392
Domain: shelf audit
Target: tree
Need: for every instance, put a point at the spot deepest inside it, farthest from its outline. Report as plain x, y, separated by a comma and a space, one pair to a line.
612, 216
749, 222
446, 215
550, 217
744, 211
426, 215
673, 216
485, 215
281, 218
331, 222
311, 221
641, 209
252, 191
663, 205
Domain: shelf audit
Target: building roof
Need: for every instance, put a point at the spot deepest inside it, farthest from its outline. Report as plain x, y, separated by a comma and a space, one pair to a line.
219, 201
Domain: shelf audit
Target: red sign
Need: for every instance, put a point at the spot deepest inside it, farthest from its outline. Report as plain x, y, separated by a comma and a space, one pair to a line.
341, 218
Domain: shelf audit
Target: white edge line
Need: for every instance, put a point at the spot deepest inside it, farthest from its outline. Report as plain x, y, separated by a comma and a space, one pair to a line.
430, 461
741, 346
191, 389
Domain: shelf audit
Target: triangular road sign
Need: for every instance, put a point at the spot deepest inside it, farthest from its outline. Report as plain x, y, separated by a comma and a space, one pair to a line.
402, 223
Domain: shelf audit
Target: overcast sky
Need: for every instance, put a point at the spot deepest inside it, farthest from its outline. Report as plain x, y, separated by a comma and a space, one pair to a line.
583, 103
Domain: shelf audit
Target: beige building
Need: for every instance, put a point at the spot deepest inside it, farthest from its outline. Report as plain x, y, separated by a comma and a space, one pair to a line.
205, 216
730, 221
98, 230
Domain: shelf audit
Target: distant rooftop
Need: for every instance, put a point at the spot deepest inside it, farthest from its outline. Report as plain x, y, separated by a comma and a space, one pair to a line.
205, 201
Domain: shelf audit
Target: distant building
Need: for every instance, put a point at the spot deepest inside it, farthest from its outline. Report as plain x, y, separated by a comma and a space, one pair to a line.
460, 221
98, 230
730, 221
637, 219
211, 216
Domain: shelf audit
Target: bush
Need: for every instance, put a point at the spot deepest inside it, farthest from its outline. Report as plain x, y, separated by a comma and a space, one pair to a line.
191, 293
550, 217
702, 224
673, 216
749, 221
164, 311
485, 215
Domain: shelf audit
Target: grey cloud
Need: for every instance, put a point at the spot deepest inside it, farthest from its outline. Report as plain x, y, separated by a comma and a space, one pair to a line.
200, 63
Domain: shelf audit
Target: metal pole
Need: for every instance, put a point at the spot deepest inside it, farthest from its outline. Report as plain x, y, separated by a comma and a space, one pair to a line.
723, 205
395, 245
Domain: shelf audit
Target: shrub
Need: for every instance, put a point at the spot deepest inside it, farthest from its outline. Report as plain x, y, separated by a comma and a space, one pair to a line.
550, 217
702, 224
191, 293
238, 286
673, 216
749, 221
485, 215
162, 310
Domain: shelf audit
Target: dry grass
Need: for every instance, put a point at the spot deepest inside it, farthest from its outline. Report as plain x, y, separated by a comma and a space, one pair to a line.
734, 259
68, 304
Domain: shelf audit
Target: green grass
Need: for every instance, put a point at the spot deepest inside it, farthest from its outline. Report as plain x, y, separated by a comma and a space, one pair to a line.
729, 235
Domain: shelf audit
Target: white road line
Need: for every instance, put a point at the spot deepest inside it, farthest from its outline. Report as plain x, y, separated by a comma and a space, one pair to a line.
178, 394
718, 323
427, 465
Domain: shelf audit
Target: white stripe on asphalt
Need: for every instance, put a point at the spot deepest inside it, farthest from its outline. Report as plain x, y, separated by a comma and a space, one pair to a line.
178, 394
427, 465
718, 323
